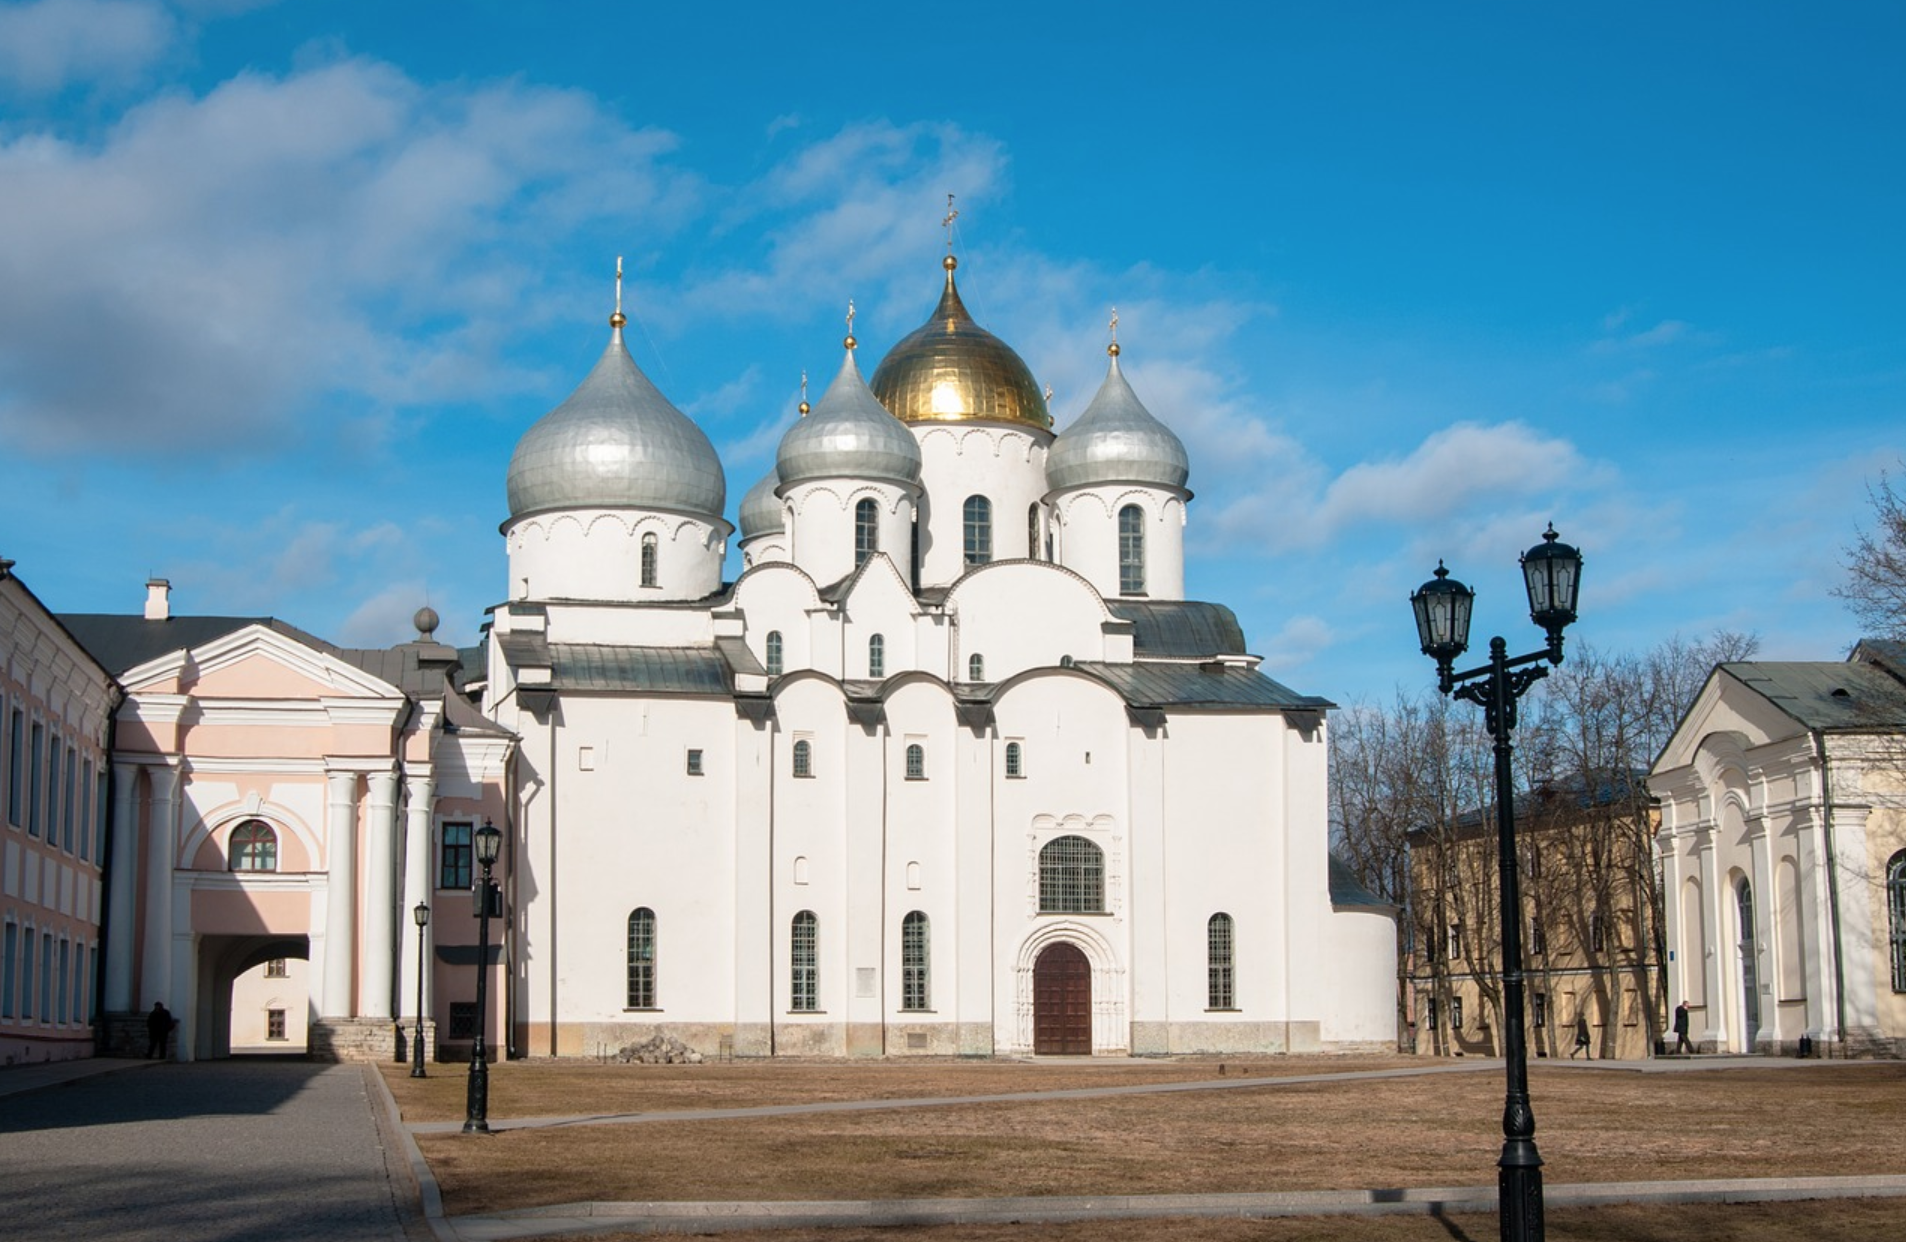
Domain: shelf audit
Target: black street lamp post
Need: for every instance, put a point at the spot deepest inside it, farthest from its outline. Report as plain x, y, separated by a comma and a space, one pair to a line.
420, 915
1552, 572
476, 1119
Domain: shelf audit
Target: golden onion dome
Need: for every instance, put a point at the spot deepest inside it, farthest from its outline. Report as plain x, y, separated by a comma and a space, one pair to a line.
951, 370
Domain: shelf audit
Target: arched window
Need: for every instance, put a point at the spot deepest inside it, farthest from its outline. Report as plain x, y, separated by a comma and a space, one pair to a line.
804, 976
976, 668
774, 653
1896, 916
1219, 937
866, 530
1071, 877
978, 516
1032, 530
254, 847
648, 559
914, 992
804, 758
877, 657
1015, 760
916, 762
1131, 550
642, 959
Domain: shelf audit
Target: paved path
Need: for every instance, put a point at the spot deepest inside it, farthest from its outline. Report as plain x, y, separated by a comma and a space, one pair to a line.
206, 1152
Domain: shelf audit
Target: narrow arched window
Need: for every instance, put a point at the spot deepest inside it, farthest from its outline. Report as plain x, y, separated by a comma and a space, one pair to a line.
976, 668
804, 758
1131, 550
1219, 938
1015, 760
1071, 877
642, 959
774, 653
648, 559
877, 657
804, 974
1896, 916
916, 762
1032, 531
914, 992
978, 517
254, 847
866, 530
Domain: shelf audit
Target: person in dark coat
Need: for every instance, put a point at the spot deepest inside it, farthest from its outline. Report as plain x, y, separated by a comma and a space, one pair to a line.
1581, 1038
159, 1024
1681, 1043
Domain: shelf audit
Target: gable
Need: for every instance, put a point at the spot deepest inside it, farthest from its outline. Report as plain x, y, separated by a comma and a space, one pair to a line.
1726, 705
256, 662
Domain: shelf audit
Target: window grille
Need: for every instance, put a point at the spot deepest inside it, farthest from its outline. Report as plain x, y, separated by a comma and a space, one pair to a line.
866, 530
976, 668
276, 968
913, 962
694, 762
1219, 938
774, 653
804, 984
916, 762
642, 959
649, 576
1015, 760
1896, 915
978, 520
1032, 531
463, 1020
877, 657
254, 847
804, 758
1131, 550
1071, 877
275, 1024
453, 861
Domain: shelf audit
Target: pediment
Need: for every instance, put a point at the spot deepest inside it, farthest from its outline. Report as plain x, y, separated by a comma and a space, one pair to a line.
1726, 706
257, 662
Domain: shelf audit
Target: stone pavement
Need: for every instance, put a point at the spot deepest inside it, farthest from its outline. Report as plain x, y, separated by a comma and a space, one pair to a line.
210, 1152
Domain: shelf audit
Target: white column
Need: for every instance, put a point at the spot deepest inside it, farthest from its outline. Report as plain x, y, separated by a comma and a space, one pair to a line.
1717, 942
155, 966
122, 884
380, 891
340, 909
420, 792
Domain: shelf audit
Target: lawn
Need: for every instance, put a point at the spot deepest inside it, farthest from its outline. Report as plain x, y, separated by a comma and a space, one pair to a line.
1441, 1129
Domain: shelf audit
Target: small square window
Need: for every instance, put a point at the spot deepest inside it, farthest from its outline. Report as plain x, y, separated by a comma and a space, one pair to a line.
275, 1024
463, 1019
694, 763
275, 969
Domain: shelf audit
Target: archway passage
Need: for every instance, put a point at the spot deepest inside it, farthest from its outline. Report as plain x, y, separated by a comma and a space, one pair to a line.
253, 995
1062, 1002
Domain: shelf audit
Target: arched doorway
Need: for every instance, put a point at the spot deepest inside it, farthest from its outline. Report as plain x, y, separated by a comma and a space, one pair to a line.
243, 982
1062, 1002
1750, 981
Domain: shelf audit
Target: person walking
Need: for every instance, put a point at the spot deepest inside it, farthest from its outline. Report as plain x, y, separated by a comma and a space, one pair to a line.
1681, 1043
159, 1024
1581, 1038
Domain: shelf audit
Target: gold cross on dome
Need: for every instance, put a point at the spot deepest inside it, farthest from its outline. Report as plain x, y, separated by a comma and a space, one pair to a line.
946, 222
618, 284
1114, 325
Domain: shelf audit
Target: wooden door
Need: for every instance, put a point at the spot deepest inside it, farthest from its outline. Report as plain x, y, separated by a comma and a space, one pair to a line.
1062, 1002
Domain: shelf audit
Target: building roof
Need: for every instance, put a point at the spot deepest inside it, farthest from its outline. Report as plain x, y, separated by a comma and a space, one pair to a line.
1347, 890
1211, 686
1837, 695
1117, 440
121, 642
1179, 629
951, 370
849, 435
600, 668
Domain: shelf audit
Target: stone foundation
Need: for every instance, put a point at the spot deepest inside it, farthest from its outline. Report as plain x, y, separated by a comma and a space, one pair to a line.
361, 1040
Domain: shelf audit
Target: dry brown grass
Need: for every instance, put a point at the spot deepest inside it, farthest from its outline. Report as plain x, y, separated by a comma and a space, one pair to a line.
1419, 1131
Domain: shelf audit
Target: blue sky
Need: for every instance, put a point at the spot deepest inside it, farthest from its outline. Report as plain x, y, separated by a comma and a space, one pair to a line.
281, 284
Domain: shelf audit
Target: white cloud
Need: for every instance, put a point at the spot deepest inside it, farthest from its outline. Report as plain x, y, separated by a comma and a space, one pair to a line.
53, 44
340, 231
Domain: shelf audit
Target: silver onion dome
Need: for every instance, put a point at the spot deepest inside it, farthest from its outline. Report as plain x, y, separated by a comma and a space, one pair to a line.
849, 435
1117, 440
761, 512
616, 442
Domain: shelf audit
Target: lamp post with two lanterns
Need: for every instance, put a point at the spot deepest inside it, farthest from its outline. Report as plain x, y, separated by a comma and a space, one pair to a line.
1552, 572
476, 1119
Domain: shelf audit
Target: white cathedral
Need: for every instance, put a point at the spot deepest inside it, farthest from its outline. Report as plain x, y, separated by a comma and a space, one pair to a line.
952, 768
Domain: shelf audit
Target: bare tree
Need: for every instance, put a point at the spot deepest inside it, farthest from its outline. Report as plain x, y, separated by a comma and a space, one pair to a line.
1875, 589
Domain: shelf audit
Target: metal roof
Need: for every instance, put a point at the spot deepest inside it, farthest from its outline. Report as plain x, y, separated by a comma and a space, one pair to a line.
1117, 440
658, 670
403, 666
1827, 695
1179, 629
1211, 686
850, 435
1347, 890
120, 641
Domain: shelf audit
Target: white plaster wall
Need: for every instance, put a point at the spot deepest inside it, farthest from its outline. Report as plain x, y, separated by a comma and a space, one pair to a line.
926, 821
597, 554
1088, 540
630, 624
810, 817
1362, 1009
1006, 464
1024, 616
821, 524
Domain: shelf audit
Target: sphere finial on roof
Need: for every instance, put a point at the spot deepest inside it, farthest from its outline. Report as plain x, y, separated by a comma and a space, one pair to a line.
1112, 349
426, 621
618, 319
805, 407
850, 342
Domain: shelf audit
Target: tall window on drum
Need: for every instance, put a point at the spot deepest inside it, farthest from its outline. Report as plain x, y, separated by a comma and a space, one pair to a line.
866, 530
649, 575
1032, 531
914, 993
977, 517
774, 653
876, 657
642, 959
1131, 550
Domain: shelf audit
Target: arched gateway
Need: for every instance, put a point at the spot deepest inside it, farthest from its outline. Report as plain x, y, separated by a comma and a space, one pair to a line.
1062, 1002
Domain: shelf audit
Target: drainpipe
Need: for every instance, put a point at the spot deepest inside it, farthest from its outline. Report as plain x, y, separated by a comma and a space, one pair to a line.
1833, 886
